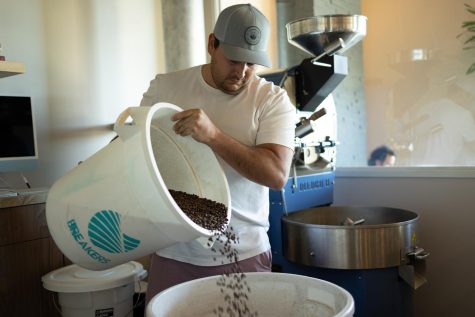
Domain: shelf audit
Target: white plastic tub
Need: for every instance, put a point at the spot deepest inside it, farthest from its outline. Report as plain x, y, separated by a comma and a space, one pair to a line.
116, 206
271, 295
85, 293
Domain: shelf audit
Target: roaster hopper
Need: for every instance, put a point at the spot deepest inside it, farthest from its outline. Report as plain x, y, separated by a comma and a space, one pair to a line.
325, 38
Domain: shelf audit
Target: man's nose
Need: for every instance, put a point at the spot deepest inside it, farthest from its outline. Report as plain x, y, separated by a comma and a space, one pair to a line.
241, 68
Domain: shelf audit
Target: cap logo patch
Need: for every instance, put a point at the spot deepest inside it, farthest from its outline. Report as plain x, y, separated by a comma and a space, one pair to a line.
252, 35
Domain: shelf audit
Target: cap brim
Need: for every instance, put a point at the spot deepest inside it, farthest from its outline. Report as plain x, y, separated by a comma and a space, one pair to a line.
239, 54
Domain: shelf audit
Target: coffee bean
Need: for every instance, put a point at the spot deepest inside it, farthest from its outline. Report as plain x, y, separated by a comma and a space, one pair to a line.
233, 285
212, 215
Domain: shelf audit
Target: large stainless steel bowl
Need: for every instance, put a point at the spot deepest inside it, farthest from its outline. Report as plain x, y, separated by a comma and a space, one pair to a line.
327, 34
342, 237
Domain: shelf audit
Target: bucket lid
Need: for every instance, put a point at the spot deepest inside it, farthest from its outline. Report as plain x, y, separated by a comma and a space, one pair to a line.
75, 279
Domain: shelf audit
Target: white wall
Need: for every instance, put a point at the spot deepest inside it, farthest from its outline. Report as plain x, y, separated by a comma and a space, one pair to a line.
85, 62
446, 229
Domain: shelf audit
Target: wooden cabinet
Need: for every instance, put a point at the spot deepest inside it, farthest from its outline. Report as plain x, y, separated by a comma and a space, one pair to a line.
27, 252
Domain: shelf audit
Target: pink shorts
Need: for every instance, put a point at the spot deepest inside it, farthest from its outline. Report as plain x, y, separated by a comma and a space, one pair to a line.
165, 273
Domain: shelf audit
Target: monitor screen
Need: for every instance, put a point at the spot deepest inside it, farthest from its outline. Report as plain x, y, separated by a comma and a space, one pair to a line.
18, 148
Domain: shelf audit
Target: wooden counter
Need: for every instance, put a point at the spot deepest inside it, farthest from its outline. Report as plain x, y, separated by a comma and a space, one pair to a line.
24, 197
27, 252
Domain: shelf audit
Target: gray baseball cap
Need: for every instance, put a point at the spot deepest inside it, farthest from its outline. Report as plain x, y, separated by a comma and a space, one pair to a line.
243, 33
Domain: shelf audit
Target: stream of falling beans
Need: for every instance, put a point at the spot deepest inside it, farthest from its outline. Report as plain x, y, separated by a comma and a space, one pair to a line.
212, 215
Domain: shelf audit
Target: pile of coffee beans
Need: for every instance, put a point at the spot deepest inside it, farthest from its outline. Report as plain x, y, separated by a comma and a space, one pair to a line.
212, 215
204, 212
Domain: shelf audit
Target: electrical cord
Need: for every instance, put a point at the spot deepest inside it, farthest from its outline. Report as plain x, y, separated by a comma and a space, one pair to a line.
25, 180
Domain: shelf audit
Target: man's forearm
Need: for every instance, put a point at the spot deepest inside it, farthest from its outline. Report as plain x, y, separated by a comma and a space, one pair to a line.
266, 164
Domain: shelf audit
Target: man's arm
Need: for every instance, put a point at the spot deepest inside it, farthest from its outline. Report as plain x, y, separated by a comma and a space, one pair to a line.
266, 164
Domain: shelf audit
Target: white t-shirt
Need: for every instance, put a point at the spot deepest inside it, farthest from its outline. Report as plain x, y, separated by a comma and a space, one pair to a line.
261, 113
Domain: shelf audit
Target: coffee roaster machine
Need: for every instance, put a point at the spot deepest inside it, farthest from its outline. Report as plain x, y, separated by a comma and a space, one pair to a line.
309, 236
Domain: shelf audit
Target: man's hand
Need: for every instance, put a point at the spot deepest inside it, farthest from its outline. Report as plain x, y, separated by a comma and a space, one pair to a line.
195, 123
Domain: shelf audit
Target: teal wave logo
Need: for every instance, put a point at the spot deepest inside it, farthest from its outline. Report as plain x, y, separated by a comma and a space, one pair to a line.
105, 233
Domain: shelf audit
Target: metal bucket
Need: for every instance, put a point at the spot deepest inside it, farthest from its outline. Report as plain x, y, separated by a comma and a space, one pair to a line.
341, 237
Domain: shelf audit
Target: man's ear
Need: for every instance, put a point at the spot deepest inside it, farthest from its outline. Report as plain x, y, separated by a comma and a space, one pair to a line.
211, 39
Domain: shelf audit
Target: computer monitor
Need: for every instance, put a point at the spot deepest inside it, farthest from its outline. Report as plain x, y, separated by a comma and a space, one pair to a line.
18, 145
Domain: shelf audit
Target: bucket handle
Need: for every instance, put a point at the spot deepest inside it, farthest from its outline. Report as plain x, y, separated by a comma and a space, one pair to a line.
123, 129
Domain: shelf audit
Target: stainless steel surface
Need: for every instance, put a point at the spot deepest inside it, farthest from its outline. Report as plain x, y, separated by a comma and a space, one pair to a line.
327, 34
418, 253
350, 222
316, 237
304, 127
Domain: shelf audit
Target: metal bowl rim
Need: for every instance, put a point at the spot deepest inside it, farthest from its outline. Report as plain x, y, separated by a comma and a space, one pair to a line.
349, 227
327, 17
355, 227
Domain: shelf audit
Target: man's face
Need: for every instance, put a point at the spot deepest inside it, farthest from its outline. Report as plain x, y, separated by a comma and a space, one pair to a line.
390, 160
229, 76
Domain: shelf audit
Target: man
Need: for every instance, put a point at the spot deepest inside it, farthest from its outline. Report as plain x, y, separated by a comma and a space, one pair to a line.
382, 156
248, 123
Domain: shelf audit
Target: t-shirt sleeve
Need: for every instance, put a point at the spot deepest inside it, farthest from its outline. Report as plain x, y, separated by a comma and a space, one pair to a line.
150, 97
277, 121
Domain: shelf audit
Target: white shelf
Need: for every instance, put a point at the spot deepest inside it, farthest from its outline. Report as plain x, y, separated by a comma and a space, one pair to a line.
11, 68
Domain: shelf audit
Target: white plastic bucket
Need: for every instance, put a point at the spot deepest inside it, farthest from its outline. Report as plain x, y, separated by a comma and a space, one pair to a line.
270, 295
115, 206
85, 293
